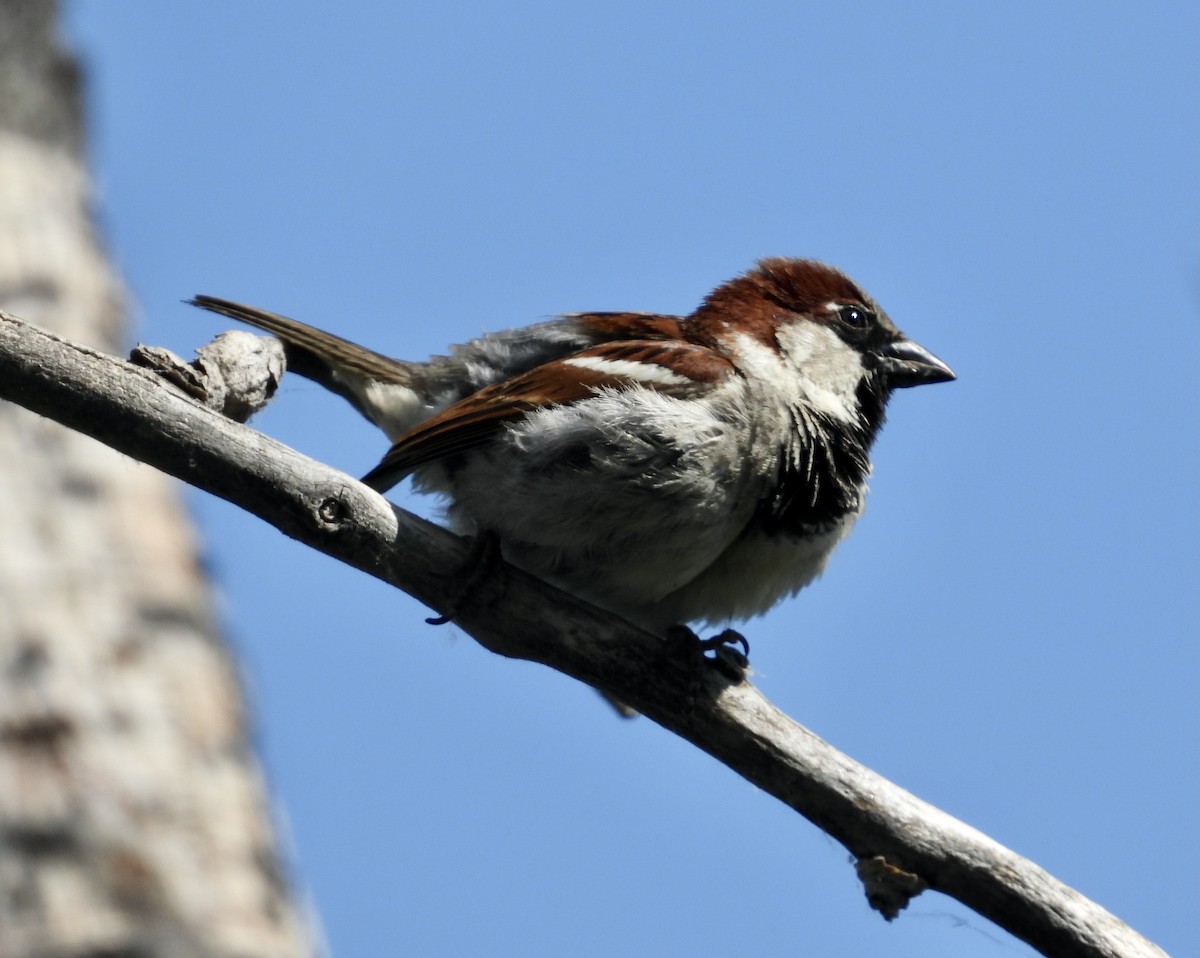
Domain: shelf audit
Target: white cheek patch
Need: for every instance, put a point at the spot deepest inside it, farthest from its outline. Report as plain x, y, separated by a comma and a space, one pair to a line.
813, 367
629, 369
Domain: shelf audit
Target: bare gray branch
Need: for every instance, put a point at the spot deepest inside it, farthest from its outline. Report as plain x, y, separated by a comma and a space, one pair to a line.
903, 842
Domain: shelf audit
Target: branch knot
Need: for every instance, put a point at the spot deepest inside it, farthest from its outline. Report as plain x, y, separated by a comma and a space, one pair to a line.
889, 888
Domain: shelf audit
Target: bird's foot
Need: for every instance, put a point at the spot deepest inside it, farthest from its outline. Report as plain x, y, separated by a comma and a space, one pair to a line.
477, 569
730, 652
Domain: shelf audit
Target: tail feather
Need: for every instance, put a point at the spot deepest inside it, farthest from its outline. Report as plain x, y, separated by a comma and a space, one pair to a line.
312, 352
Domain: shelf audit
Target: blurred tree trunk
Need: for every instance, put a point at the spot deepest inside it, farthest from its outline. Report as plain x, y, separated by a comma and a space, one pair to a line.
133, 817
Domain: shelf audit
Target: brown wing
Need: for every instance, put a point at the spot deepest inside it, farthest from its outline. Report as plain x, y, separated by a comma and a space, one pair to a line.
608, 327
672, 368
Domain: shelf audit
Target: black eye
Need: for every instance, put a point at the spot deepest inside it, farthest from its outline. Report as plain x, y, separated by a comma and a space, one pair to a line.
856, 317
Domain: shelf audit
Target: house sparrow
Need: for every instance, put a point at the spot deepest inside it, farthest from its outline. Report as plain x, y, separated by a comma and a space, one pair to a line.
671, 469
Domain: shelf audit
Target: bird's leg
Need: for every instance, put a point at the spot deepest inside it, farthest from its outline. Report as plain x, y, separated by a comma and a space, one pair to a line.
480, 564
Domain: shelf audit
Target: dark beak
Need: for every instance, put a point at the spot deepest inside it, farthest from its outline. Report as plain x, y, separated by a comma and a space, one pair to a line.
904, 363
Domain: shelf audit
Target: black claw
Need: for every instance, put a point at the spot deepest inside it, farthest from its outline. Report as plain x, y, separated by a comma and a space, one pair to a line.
725, 642
726, 656
730, 658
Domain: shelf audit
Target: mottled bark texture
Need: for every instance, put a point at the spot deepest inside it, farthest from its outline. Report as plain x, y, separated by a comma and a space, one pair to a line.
133, 817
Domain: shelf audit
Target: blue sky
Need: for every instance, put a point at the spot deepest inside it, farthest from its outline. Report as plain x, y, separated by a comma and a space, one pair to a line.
1010, 633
